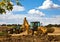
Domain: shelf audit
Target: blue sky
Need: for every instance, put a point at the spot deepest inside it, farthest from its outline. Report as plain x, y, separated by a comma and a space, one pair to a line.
32, 4
34, 10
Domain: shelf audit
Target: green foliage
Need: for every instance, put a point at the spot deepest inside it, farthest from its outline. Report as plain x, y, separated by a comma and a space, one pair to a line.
7, 5
53, 25
2, 10
2, 33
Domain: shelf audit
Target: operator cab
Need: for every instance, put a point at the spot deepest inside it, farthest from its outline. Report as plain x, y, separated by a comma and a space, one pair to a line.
34, 25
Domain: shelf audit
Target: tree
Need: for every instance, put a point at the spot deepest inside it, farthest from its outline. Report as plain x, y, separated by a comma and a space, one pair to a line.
7, 5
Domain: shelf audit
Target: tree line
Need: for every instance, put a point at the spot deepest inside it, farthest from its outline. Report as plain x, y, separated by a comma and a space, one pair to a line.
53, 25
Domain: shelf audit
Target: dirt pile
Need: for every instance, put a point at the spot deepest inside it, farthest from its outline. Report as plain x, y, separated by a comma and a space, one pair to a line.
30, 38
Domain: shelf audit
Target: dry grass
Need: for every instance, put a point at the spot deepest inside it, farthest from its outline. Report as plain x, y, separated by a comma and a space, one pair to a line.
56, 31
30, 38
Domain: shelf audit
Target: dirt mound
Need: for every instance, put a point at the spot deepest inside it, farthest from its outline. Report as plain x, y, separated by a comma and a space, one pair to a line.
30, 38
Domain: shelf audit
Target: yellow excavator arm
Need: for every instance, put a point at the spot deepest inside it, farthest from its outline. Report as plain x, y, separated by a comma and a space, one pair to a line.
43, 29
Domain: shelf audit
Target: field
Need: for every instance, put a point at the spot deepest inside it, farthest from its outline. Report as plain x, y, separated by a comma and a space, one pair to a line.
33, 38
30, 38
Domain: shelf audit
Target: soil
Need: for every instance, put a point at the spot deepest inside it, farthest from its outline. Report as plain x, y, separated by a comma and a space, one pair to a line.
30, 38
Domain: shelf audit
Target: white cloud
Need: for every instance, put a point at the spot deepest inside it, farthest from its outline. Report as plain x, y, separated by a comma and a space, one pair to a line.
18, 18
10, 18
2, 23
34, 11
47, 4
18, 8
52, 20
